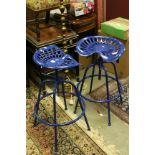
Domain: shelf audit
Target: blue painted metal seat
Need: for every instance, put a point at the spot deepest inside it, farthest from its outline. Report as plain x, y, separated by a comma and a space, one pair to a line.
109, 50
53, 57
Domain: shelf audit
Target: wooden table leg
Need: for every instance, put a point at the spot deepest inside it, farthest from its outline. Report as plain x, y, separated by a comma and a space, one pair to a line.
37, 25
47, 17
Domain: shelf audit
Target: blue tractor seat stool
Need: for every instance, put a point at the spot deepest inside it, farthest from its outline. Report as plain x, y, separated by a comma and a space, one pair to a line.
109, 50
52, 57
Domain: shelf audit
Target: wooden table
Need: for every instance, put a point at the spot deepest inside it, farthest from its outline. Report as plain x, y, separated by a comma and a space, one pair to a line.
48, 36
84, 23
53, 35
36, 20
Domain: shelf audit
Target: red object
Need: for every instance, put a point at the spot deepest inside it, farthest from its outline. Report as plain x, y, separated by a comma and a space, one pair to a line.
117, 8
89, 7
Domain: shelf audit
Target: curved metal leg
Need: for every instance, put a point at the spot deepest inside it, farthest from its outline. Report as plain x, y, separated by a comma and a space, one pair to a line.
78, 100
42, 79
99, 73
58, 88
107, 94
38, 101
116, 75
85, 117
63, 92
57, 81
85, 73
92, 78
55, 119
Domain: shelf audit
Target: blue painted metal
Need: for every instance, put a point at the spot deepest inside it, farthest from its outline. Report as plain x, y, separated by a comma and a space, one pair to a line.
92, 78
55, 113
63, 93
107, 93
117, 95
109, 49
116, 76
54, 92
109, 98
53, 57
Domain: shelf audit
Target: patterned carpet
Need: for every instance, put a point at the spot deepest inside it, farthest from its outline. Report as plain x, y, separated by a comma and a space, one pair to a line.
120, 110
72, 140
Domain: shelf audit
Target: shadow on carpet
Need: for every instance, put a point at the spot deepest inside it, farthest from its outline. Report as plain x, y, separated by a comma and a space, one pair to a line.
39, 140
120, 110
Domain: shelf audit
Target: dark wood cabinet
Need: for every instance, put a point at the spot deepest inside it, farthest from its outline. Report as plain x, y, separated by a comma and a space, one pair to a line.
117, 8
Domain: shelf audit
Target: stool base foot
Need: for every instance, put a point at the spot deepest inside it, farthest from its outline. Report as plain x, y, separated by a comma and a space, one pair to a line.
35, 124
89, 129
121, 100
75, 111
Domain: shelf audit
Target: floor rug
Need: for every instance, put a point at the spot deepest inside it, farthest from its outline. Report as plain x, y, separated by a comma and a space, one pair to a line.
39, 140
121, 110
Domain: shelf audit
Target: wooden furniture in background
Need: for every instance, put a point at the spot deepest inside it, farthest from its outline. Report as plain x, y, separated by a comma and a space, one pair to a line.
117, 8
84, 26
37, 20
99, 13
41, 32
110, 9
84, 23
48, 36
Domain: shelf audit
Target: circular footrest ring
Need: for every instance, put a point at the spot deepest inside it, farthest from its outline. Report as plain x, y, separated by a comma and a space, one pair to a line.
60, 124
102, 101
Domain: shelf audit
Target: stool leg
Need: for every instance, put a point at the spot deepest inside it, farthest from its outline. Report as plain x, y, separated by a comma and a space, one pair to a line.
38, 101
85, 73
99, 73
116, 75
91, 84
77, 73
55, 120
56, 77
86, 120
78, 100
63, 92
58, 88
42, 79
107, 94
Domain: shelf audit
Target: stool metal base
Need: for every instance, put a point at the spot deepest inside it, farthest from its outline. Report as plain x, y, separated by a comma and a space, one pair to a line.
108, 99
55, 124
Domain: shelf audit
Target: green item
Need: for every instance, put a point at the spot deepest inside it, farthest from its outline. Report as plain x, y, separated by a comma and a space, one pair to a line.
118, 27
